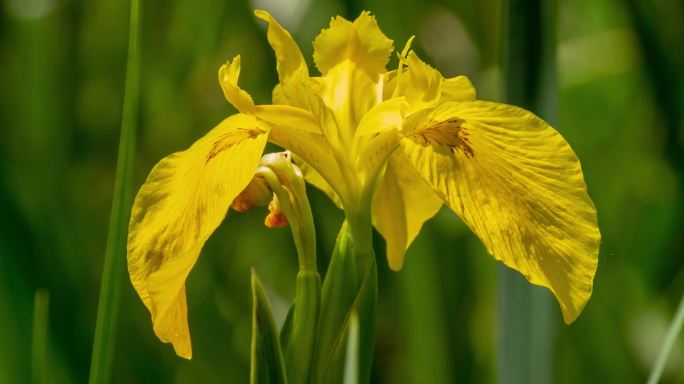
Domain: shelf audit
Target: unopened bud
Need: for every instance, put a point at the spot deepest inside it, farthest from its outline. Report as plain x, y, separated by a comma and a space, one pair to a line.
276, 217
256, 194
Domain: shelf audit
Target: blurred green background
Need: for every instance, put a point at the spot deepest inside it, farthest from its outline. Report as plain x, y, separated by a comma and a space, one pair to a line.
621, 107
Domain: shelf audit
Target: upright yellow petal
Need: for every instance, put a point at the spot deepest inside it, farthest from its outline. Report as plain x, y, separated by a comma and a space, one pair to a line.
377, 137
420, 84
424, 86
458, 88
185, 197
402, 204
228, 78
349, 93
351, 56
519, 186
361, 42
290, 61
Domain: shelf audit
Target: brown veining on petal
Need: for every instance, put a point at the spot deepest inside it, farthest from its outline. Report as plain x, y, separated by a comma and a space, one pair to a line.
228, 140
448, 133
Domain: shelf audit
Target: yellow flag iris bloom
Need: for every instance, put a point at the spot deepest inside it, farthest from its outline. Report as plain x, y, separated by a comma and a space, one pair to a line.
395, 145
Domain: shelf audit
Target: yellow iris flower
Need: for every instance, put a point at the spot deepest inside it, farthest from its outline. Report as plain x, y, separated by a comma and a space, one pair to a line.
394, 145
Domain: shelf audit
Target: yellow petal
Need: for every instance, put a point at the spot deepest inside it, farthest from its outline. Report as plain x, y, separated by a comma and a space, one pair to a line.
314, 178
424, 86
351, 56
349, 93
383, 117
519, 186
377, 137
457, 88
421, 84
361, 42
402, 204
290, 61
298, 131
185, 197
228, 78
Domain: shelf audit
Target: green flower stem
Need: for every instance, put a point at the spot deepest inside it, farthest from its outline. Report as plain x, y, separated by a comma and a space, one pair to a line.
300, 349
291, 193
668, 343
525, 322
351, 363
108, 307
286, 181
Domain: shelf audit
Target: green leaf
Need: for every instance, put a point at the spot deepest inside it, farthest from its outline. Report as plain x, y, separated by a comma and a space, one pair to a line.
350, 285
286, 330
267, 360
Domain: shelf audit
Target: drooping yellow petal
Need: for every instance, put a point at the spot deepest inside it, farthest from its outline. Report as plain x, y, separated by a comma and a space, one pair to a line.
361, 42
519, 186
402, 204
229, 74
185, 197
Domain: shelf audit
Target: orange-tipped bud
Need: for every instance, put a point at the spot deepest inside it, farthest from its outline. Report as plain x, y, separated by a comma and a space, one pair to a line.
275, 218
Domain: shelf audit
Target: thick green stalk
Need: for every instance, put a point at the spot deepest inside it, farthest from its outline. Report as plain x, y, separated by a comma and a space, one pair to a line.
350, 286
108, 307
351, 362
668, 343
525, 322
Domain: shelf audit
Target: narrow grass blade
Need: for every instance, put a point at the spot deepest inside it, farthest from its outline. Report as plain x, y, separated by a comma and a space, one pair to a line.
39, 350
525, 327
668, 343
108, 307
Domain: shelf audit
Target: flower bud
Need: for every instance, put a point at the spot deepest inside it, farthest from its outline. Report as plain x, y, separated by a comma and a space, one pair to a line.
256, 194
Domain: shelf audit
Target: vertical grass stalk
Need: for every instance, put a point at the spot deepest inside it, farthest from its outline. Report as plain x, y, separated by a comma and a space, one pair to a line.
108, 307
39, 347
668, 343
525, 323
